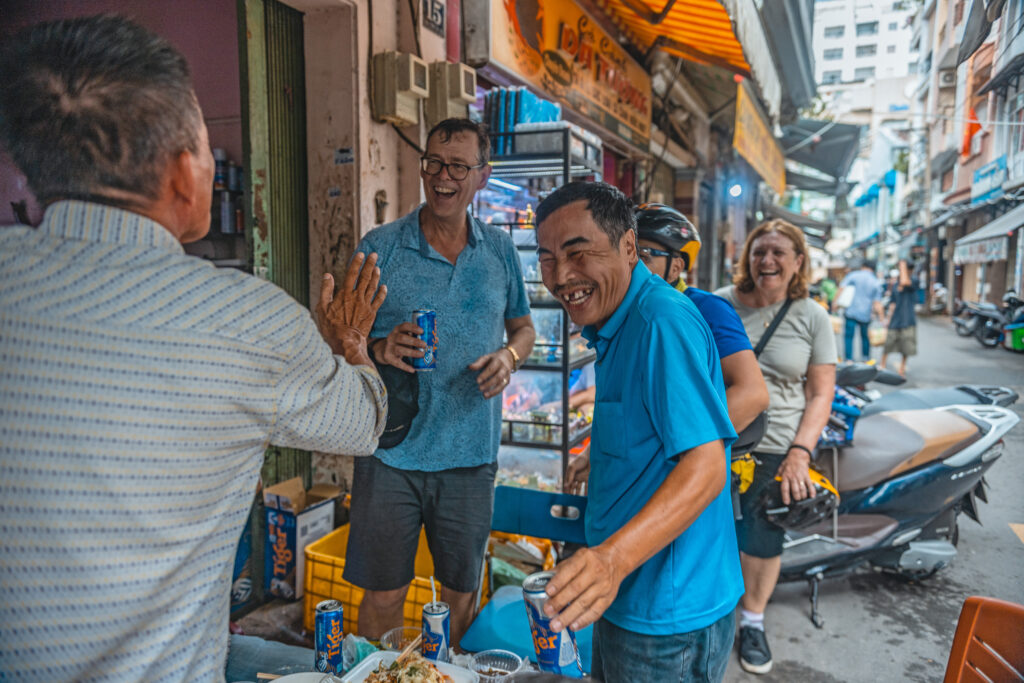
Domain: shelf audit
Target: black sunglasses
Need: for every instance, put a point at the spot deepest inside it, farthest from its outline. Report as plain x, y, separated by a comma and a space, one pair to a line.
647, 253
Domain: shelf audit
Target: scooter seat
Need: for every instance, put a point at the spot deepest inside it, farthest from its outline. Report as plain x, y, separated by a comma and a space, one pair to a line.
886, 444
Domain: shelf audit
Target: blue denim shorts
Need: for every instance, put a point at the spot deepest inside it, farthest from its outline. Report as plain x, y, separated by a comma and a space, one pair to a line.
389, 506
621, 656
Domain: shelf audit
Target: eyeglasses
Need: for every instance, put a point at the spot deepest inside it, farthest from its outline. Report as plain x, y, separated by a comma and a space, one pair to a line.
648, 253
432, 166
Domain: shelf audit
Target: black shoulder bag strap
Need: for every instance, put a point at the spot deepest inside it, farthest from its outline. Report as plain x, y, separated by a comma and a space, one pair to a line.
771, 328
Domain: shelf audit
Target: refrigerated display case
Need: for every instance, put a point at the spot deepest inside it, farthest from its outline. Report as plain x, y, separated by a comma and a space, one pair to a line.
539, 430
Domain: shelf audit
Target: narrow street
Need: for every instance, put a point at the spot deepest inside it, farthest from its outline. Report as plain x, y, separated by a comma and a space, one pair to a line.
880, 628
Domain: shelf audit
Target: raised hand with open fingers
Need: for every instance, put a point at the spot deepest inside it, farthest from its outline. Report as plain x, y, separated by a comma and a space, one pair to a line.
346, 318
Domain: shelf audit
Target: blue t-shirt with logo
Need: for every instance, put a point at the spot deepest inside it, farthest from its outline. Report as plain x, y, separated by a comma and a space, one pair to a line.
654, 348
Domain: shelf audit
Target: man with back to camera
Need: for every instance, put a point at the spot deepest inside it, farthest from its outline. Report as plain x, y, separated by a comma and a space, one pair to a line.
141, 386
441, 476
867, 299
661, 575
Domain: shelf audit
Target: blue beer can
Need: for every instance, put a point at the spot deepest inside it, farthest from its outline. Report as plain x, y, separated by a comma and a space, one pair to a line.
426, 320
328, 637
436, 631
556, 652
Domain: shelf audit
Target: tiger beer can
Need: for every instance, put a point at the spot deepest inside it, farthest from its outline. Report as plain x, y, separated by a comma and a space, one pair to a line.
426, 320
436, 631
328, 637
556, 652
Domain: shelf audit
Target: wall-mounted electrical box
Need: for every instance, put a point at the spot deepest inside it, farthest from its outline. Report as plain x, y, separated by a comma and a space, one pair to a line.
452, 87
399, 82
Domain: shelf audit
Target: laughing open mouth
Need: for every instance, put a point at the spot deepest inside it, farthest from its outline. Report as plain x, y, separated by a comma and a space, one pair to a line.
444, 191
577, 296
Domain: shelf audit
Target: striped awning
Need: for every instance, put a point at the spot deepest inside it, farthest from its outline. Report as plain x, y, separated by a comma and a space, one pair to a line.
697, 30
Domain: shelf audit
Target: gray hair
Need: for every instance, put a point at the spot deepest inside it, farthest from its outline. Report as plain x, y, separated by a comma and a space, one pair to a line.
95, 103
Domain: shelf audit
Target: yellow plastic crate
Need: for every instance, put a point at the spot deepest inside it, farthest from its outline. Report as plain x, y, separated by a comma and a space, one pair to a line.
325, 563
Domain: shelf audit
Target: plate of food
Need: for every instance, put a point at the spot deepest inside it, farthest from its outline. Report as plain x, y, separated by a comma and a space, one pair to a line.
382, 667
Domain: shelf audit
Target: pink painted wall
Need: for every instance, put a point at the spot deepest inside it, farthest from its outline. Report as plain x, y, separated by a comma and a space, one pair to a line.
205, 31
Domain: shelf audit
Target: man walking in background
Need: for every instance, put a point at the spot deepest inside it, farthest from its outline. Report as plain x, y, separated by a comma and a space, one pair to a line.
902, 335
867, 299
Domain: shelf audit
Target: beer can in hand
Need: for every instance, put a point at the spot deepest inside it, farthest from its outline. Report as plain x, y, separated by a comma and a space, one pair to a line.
328, 637
556, 652
436, 631
426, 320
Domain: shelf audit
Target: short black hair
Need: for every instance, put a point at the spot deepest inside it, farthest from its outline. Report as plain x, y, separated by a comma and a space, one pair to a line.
609, 207
870, 263
449, 127
95, 103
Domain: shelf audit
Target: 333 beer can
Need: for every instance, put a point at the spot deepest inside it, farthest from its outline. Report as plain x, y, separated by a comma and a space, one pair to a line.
556, 652
328, 637
426, 320
436, 631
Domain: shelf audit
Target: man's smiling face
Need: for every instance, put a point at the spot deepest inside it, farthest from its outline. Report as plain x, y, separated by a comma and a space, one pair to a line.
448, 198
581, 267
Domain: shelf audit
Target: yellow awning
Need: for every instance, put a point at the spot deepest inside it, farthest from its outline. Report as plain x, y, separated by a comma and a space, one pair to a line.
697, 30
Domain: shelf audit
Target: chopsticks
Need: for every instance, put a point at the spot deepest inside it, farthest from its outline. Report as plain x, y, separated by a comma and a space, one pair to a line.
410, 647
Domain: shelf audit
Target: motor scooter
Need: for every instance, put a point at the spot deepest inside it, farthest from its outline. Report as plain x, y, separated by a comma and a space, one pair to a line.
902, 482
992, 322
852, 379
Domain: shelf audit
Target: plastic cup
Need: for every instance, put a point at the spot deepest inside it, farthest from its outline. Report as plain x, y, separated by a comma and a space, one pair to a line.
496, 666
397, 638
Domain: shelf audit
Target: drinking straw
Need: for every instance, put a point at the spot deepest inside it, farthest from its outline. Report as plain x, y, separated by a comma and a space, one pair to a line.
433, 589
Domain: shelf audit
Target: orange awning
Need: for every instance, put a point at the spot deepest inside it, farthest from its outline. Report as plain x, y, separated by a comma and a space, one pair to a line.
697, 30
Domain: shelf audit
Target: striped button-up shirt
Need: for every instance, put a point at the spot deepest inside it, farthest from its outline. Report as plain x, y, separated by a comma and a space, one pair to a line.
139, 388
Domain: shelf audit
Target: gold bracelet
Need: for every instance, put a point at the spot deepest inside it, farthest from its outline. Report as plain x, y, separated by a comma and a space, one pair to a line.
515, 357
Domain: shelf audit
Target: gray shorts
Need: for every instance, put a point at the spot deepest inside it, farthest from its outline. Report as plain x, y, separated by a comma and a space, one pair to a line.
390, 505
902, 340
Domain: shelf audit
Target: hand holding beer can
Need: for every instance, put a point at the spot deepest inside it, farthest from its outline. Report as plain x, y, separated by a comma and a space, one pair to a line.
426, 320
556, 651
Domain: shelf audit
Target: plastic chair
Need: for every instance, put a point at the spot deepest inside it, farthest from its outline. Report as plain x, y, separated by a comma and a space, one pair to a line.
989, 642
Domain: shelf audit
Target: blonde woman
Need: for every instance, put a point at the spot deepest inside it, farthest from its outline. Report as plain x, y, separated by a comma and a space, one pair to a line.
799, 365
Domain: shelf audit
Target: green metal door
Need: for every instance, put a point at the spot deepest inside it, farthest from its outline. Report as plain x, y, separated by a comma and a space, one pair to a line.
274, 140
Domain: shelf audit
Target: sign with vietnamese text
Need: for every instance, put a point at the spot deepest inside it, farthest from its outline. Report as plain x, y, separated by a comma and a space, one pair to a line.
988, 181
754, 141
982, 251
556, 47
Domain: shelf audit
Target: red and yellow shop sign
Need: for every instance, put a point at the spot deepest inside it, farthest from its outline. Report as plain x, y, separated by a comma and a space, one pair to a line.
558, 48
754, 141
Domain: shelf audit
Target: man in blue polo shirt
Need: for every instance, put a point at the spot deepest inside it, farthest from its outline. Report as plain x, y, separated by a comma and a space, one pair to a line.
661, 575
441, 476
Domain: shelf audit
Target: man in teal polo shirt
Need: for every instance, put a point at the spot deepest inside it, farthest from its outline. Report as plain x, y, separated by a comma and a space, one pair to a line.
441, 476
661, 575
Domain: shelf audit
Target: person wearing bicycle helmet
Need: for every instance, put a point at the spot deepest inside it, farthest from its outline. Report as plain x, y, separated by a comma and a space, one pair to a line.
668, 245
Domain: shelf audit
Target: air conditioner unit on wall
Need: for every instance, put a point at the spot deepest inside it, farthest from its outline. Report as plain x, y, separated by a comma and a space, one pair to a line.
399, 82
947, 78
452, 87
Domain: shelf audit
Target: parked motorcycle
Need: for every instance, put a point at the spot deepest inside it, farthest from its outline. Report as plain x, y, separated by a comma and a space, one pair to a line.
993, 322
852, 378
901, 484
988, 322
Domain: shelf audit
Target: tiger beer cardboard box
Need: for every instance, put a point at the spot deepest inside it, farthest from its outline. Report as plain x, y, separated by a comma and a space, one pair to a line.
295, 518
